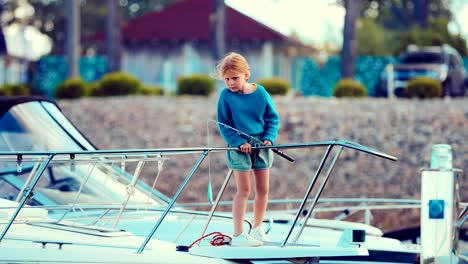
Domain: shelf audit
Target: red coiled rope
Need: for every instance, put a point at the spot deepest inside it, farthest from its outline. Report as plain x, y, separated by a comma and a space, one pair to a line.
219, 239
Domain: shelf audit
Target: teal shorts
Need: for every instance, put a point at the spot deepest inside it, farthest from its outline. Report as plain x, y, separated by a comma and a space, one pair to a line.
259, 159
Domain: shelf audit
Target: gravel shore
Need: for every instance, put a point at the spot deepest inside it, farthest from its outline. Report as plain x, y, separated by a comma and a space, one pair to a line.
406, 129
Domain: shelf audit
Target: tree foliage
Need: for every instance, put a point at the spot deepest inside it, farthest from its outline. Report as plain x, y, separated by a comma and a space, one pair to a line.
436, 35
373, 38
398, 14
49, 16
388, 26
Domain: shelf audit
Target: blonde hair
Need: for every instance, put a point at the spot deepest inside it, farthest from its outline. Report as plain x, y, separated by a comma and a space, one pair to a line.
232, 61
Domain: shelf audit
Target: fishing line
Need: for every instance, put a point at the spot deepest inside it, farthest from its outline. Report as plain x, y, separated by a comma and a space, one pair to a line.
209, 193
159, 169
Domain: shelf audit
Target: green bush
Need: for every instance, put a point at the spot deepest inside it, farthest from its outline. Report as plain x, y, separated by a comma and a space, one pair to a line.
16, 89
197, 84
151, 90
423, 87
275, 86
349, 88
72, 88
116, 83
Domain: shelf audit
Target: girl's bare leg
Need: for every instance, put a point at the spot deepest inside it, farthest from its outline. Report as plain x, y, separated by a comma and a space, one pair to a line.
239, 205
262, 185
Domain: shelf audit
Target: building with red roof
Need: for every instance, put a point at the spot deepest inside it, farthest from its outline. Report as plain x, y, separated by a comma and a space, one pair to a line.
177, 40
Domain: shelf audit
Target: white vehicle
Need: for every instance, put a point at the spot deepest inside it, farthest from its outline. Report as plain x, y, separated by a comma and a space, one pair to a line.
65, 201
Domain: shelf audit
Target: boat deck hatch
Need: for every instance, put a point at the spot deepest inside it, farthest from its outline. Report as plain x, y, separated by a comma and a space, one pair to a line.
89, 230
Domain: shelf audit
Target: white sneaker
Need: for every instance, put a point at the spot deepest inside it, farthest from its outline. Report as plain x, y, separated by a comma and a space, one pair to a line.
245, 240
259, 234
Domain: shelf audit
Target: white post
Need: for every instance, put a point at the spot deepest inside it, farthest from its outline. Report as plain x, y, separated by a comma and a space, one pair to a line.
390, 81
187, 53
267, 55
438, 215
168, 81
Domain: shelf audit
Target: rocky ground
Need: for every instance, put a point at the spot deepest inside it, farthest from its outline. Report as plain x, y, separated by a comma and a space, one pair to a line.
406, 129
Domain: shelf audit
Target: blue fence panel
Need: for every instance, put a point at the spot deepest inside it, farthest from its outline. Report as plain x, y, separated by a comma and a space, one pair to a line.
311, 83
52, 70
330, 72
321, 81
307, 77
368, 70
93, 68
297, 65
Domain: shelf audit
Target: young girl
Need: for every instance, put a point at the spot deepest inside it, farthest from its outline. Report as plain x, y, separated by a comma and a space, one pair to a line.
247, 107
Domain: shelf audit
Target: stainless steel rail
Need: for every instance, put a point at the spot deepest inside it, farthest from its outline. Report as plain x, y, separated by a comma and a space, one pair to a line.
153, 154
218, 198
306, 196
26, 195
179, 191
319, 192
322, 200
128, 153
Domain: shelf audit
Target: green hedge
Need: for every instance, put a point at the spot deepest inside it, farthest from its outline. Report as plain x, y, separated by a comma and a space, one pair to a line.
423, 87
349, 88
275, 86
116, 83
151, 90
15, 89
197, 84
72, 88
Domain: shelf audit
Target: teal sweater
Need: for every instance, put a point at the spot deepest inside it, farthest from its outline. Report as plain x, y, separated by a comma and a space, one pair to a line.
253, 114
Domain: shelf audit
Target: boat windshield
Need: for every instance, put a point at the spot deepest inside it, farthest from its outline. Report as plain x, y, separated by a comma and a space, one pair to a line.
29, 127
41, 126
423, 58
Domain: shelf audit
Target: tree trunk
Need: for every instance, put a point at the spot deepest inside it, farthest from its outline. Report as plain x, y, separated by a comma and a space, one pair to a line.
349, 49
3, 50
113, 36
218, 26
73, 37
420, 12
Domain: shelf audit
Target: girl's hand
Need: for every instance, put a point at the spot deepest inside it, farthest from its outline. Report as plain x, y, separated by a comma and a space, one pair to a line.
246, 147
267, 142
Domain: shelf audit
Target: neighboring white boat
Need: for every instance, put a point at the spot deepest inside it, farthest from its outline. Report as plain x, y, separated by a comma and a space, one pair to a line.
73, 203
35, 238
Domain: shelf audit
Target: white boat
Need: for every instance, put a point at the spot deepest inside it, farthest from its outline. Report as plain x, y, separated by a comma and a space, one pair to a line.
36, 238
65, 201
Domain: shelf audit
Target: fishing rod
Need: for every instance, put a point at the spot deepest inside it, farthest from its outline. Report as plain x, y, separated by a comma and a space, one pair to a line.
277, 151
